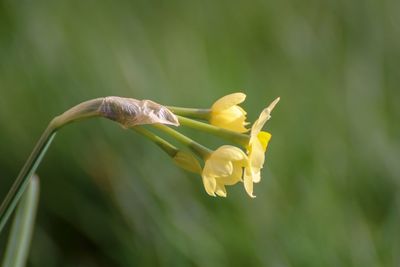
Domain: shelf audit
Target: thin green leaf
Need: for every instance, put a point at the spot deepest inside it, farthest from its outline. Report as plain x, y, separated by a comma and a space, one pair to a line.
17, 249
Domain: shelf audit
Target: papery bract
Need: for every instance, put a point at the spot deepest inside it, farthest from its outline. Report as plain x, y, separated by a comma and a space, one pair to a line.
130, 112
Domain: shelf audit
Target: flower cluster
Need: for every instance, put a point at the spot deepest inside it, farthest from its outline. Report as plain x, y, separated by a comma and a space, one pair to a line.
228, 164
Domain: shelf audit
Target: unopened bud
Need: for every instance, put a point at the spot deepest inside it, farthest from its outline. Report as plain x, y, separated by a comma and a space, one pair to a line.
187, 161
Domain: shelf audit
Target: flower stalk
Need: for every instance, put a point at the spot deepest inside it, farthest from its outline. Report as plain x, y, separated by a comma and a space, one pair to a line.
195, 113
197, 148
231, 136
29, 168
170, 149
128, 112
183, 159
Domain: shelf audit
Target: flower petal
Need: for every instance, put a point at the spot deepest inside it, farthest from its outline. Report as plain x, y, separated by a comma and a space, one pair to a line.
263, 118
215, 167
228, 101
220, 190
256, 177
210, 185
234, 178
248, 183
233, 118
228, 152
257, 158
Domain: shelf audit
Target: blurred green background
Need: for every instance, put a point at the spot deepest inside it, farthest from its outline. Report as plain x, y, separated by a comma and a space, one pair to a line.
330, 189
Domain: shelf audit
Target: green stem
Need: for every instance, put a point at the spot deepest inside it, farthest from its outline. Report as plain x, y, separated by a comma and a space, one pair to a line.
18, 244
163, 144
195, 113
81, 111
121, 110
84, 110
197, 148
19, 186
238, 138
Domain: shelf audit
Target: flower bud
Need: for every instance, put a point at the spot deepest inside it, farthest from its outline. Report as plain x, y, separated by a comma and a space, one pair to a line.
187, 161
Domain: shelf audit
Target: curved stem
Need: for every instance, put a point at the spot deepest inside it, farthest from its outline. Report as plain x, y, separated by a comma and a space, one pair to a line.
128, 112
195, 113
83, 110
170, 149
197, 148
19, 185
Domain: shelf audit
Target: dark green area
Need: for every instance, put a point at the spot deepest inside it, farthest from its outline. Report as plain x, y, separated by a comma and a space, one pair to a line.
330, 189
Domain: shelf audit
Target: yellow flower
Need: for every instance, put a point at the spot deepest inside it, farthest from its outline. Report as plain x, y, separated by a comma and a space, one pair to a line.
257, 146
225, 113
223, 167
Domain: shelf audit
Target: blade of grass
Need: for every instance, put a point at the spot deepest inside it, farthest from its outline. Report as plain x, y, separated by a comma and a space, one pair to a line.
18, 244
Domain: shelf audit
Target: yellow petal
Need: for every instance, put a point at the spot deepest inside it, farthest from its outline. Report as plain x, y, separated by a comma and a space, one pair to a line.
233, 118
209, 185
273, 104
228, 101
234, 178
259, 124
228, 152
220, 190
256, 158
216, 167
248, 183
256, 177
257, 155
263, 118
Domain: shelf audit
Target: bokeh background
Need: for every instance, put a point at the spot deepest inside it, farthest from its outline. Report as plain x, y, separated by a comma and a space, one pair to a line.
330, 189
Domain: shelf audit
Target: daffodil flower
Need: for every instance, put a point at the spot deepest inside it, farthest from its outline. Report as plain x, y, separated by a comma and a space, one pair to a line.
223, 167
258, 144
226, 113
227, 165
